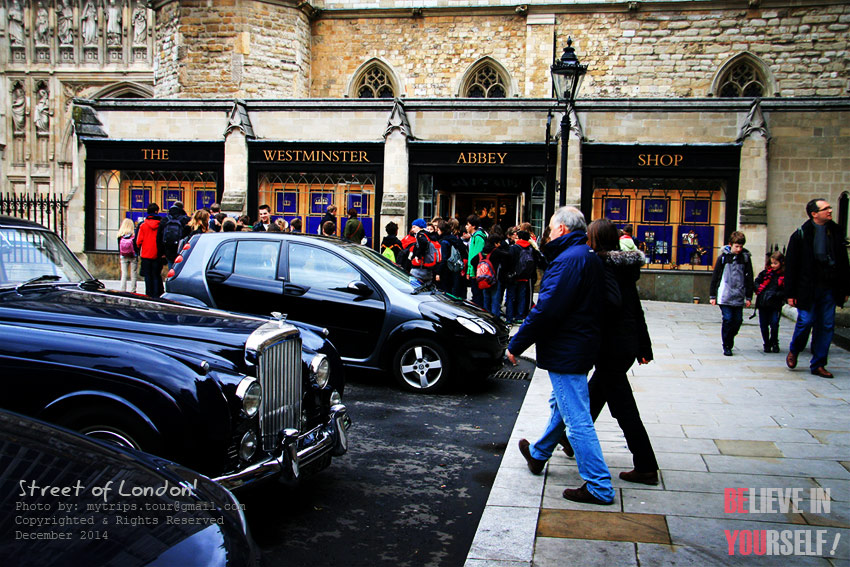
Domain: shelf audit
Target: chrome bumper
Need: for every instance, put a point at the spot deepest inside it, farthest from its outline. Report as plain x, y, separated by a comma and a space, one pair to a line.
331, 437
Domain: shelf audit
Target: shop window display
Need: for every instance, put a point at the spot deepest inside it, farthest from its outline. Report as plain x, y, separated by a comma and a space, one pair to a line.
308, 196
127, 194
676, 228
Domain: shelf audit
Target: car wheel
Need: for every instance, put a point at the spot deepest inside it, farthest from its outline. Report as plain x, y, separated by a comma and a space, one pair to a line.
421, 365
112, 427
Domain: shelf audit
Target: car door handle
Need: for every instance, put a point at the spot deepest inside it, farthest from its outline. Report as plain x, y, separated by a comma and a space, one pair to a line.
294, 289
217, 277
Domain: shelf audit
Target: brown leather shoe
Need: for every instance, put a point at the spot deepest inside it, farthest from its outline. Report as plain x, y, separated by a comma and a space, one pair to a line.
822, 372
791, 359
640, 477
582, 494
534, 465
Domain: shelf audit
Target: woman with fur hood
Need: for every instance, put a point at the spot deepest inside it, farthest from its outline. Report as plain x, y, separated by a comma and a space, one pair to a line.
625, 339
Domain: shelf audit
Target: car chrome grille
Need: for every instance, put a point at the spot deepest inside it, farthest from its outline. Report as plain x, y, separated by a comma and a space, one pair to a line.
279, 373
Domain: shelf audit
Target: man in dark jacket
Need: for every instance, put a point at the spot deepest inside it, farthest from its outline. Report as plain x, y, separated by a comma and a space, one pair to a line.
817, 278
176, 214
564, 324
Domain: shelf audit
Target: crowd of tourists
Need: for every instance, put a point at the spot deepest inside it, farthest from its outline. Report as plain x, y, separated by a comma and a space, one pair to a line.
496, 270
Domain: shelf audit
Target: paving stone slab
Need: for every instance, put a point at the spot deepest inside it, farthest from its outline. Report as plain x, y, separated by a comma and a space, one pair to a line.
656, 555
595, 525
777, 467
559, 552
505, 534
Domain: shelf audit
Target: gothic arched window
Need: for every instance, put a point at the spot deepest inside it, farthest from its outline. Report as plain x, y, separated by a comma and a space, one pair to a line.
375, 82
744, 77
485, 81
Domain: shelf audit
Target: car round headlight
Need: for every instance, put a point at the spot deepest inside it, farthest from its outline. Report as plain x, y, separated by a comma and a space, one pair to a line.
248, 445
320, 370
470, 325
251, 394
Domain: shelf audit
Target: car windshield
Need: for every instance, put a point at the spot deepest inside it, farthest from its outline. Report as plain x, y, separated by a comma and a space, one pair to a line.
391, 273
27, 255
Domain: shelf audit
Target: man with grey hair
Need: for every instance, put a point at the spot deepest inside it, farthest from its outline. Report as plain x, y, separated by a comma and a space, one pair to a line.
564, 324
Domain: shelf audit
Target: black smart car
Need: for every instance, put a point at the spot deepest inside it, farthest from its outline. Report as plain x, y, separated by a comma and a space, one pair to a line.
238, 398
376, 314
73, 500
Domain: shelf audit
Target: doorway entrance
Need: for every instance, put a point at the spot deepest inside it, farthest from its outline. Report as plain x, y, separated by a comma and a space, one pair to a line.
493, 208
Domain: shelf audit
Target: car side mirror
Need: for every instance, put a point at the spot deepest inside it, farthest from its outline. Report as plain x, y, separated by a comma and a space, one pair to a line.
359, 288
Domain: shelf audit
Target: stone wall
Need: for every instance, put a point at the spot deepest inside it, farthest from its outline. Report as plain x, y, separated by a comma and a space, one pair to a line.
232, 49
429, 54
809, 157
672, 51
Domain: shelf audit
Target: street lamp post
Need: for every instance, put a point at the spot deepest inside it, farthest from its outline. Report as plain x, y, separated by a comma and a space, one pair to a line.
567, 75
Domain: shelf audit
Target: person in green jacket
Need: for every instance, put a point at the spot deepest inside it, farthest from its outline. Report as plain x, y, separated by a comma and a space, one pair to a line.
477, 240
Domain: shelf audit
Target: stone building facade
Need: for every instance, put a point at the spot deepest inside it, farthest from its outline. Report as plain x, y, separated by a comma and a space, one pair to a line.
694, 118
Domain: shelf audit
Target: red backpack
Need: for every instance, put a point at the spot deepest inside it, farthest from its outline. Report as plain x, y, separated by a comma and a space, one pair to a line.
432, 257
485, 272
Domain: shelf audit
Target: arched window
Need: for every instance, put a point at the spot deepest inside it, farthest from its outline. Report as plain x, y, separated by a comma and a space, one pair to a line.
744, 76
486, 79
375, 82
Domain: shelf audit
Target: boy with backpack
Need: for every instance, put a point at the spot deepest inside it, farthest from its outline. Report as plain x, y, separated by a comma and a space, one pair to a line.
391, 245
454, 256
732, 287
523, 265
477, 241
493, 263
172, 230
425, 254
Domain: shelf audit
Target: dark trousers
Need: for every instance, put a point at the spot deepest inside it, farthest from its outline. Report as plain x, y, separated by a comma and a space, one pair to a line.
819, 320
152, 272
769, 324
733, 316
477, 294
609, 384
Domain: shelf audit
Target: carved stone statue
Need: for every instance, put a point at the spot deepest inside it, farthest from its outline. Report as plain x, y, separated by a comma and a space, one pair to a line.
114, 21
65, 22
42, 35
89, 23
19, 108
42, 111
140, 24
16, 23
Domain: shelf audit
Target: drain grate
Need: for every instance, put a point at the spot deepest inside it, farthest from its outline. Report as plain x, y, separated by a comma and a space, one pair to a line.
511, 375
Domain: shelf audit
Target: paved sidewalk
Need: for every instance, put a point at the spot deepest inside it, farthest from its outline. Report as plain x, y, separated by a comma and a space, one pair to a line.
716, 423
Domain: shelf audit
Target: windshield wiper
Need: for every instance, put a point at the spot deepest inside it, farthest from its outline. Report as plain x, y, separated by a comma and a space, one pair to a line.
425, 287
92, 284
40, 279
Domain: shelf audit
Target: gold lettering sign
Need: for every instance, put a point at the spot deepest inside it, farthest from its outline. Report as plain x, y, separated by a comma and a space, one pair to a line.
151, 153
482, 158
330, 156
663, 160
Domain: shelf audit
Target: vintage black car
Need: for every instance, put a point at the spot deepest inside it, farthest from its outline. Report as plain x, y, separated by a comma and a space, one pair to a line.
73, 500
237, 398
377, 315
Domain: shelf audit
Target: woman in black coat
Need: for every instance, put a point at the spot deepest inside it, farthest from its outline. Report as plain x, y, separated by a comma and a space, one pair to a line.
625, 339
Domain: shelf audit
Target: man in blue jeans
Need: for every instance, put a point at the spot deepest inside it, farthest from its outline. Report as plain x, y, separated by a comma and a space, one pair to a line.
564, 324
817, 278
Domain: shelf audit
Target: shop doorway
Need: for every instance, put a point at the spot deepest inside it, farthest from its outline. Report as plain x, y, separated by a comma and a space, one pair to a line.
492, 208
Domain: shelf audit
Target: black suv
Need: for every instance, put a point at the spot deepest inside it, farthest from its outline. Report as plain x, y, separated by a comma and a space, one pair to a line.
237, 398
378, 316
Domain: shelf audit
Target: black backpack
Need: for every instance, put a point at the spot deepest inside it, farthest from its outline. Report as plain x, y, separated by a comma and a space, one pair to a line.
525, 264
172, 231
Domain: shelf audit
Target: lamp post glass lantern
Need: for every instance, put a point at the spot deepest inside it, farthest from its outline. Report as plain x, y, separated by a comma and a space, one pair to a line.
567, 76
